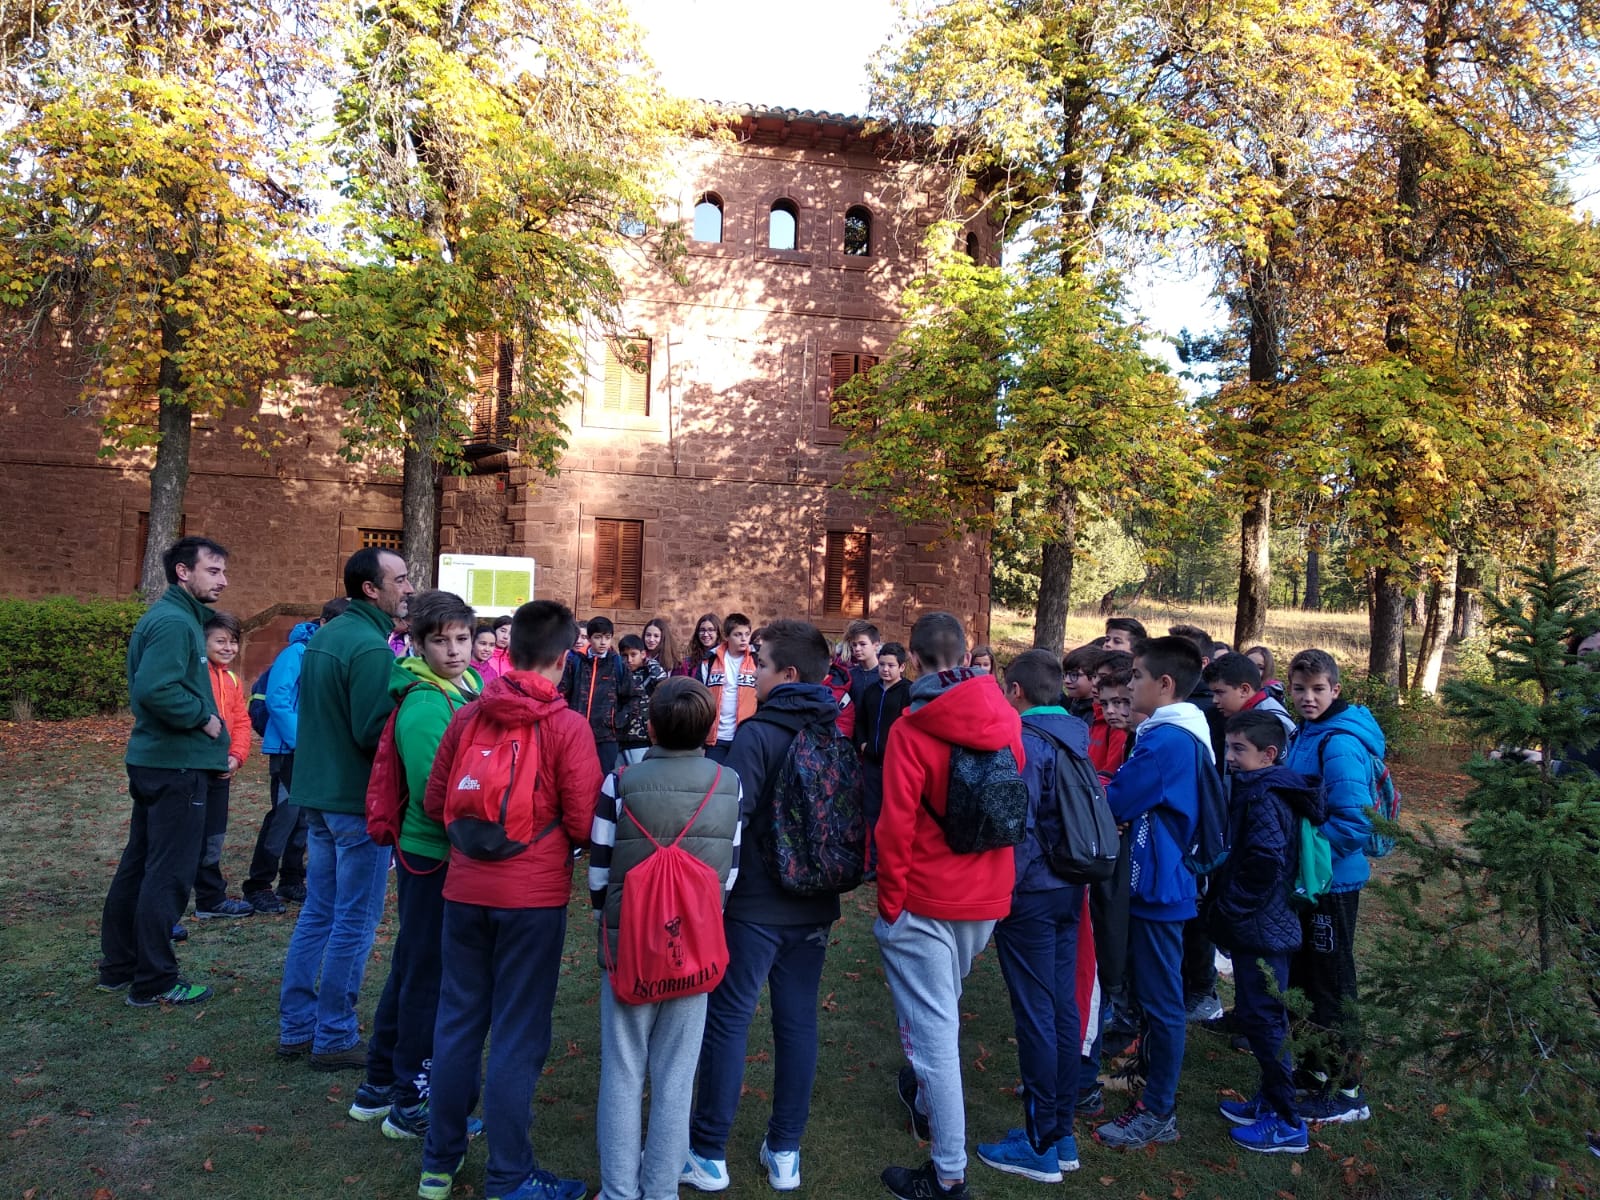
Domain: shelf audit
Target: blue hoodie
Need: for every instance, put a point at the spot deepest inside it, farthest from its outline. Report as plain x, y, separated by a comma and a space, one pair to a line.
1156, 794
1341, 746
283, 692
1039, 773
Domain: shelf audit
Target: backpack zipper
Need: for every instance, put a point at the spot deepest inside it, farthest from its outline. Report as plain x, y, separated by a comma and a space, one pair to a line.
505, 799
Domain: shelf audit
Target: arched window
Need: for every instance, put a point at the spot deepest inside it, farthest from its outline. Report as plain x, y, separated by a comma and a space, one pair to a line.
972, 246
708, 218
858, 231
782, 222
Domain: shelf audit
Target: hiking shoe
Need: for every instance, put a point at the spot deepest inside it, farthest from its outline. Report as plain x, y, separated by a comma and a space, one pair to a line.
1090, 1104
543, 1185
1245, 1112
1138, 1128
293, 1049
436, 1185
266, 904
371, 1102
1204, 1007
1273, 1135
182, 992
1015, 1155
704, 1174
919, 1184
1067, 1153
1127, 1079
783, 1167
906, 1084
106, 985
180, 934
1335, 1108
226, 907
351, 1058
292, 893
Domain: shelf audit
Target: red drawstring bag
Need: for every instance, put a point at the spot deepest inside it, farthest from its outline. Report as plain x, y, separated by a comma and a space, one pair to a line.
670, 942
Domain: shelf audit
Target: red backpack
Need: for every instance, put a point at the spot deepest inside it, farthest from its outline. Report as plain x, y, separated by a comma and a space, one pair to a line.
670, 942
387, 793
492, 791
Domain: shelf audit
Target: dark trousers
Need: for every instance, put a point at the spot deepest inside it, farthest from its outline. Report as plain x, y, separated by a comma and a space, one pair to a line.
210, 888
788, 958
1199, 961
608, 756
500, 967
1038, 946
401, 1048
281, 844
1259, 982
872, 805
1155, 956
718, 752
1324, 968
153, 878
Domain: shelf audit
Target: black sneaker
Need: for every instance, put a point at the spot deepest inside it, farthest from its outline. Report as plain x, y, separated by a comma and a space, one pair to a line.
294, 893
226, 907
1090, 1104
180, 934
919, 1184
906, 1085
266, 903
371, 1102
182, 992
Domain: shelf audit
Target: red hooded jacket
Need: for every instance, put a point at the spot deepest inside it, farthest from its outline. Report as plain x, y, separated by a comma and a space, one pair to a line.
1108, 747
568, 783
917, 870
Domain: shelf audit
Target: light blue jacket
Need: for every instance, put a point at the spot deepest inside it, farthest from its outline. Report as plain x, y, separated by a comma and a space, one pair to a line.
283, 692
1342, 746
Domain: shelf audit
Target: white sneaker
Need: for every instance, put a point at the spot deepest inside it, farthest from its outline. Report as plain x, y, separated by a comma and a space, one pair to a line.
783, 1167
704, 1174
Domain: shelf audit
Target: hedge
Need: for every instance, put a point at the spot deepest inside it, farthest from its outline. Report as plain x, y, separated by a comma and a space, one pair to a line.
66, 657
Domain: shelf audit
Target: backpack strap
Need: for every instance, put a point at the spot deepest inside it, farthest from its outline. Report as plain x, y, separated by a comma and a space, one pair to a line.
704, 800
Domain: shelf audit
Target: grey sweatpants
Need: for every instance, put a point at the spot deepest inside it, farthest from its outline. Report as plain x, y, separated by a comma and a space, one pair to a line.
663, 1041
925, 960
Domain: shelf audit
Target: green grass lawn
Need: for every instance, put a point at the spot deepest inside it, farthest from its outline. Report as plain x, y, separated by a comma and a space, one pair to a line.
102, 1100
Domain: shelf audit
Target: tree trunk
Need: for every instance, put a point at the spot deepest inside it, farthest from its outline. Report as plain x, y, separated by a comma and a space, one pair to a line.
1417, 601
1441, 616
1255, 570
1055, 580
1387, 622
169, 477
1469, 602
418, 496
1312, 602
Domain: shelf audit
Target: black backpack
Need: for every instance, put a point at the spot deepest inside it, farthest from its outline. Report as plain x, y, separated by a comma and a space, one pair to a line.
1075, 829
258, 703
986, 806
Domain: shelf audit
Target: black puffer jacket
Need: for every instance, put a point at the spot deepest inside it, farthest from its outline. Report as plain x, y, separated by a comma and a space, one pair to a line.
1248, 906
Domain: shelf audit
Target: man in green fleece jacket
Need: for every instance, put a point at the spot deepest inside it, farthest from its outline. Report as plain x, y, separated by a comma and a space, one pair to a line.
345, 701
178, 742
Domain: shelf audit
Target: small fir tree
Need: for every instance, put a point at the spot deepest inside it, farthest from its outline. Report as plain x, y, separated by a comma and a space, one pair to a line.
1491, 986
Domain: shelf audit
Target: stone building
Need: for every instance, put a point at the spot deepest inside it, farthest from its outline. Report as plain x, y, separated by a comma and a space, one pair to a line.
701, 463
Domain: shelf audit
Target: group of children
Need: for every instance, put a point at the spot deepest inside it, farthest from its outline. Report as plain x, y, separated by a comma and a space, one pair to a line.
638, 755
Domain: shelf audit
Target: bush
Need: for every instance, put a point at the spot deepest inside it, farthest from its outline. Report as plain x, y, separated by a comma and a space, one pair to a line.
65, 658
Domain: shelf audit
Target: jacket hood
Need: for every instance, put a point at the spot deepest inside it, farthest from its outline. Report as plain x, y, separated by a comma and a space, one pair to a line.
1353, 719
1302, 794
1063, 726
520, 698
810, 701
964, 708
303, 631
416, 667
1185, 716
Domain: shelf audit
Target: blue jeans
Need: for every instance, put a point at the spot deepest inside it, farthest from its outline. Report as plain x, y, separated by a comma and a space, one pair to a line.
401, 1045
500, 970
789, 958
1259, 1014
1155, 958
347, 874
1038, 945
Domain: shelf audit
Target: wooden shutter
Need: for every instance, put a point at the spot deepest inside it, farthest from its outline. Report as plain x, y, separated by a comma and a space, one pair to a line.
627, 389
618, 563
841, 369
484, 360
845, 573
504, 366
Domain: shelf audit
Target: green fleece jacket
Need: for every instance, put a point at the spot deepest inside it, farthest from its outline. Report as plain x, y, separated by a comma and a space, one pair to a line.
426, 705
169, 688
344, 704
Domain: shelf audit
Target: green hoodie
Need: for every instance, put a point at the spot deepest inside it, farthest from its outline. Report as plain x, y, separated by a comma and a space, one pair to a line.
344, 704
426, 705
169, 688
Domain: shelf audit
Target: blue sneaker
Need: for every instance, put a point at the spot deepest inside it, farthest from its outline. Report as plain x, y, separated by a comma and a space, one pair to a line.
436, 1185
1016, 1156
371, 1102
1067, 1153
1335, 1108
543, 1185
1273, 1135
704, 1174
1245, 1112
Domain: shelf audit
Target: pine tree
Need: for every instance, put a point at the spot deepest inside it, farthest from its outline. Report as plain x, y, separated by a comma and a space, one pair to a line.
1492, 987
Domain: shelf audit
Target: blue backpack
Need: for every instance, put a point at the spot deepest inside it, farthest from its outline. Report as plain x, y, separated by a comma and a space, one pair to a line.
1385, 795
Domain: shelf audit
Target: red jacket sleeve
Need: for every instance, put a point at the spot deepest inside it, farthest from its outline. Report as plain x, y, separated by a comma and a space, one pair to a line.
904, 778
577, 775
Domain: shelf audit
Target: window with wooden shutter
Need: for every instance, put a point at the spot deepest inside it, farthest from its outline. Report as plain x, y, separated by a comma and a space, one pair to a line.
383, 539
618, 563
130, 582
843, 368
845, 573
627, 384
492, 370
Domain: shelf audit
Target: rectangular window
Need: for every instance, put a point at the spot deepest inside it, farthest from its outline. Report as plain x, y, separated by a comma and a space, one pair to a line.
131, 583
618, 563
383, 539
842, 369
627, 390
844, 574
491, 393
